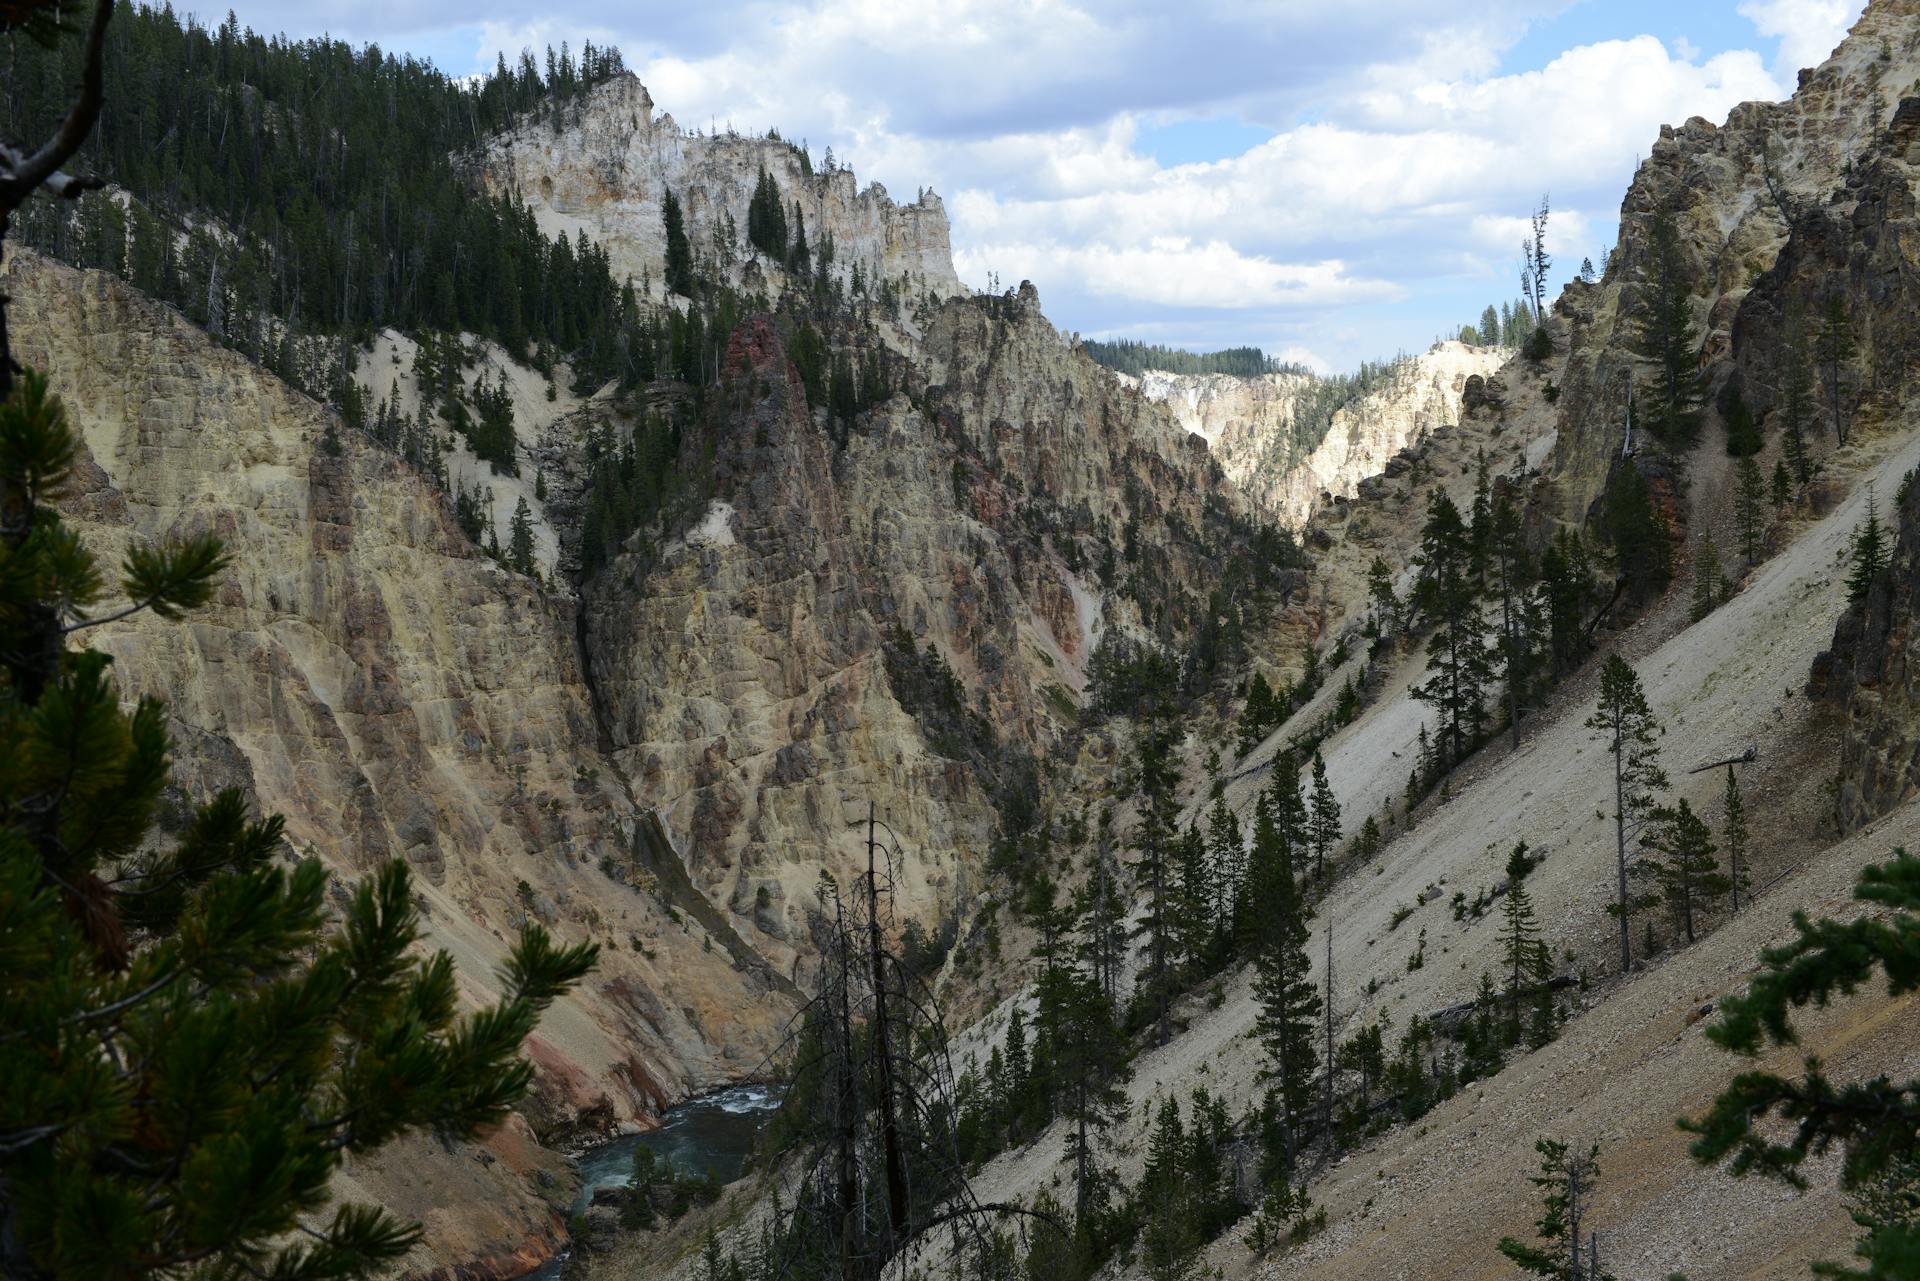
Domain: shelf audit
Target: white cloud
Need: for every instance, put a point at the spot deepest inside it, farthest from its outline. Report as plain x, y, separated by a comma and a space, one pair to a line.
1400, 164
1808, 30
1174, 271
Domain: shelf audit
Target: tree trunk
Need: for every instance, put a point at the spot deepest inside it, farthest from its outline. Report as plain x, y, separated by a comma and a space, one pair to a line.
1620, 837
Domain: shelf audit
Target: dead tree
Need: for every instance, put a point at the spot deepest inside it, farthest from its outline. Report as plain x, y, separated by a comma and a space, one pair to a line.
871, 1148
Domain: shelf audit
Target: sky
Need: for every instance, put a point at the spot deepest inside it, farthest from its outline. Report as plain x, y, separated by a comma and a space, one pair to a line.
1331, 180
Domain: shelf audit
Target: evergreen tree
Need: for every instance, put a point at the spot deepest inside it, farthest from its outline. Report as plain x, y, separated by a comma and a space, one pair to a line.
1527, 963
679, 268
190, 1051
1686, 871
1710, 589
1446, 598
1289, 1002
1490, 327
1781, 489
1736, 838
1152, 781
1668, 336
1642, 543
1384, 601
1090, 1066
1796, 405
1834, 348
1193, 901
1519, 653
1566, 1181
1750, 511
520, 539
1227, 853
1323, 821
1171, 1232
1632, 737
1743, 435
799, 255
1566, 593
1258, 716
1769, 1124
1868, 555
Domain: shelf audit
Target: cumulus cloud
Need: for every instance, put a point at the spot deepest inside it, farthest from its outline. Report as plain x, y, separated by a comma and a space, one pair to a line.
1808, 30
1394, 179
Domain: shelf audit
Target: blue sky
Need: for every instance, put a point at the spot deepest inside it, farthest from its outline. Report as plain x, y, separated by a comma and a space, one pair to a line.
1329, 179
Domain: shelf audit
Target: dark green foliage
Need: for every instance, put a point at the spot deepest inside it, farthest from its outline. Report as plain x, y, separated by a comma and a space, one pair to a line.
1565, 596
1771, 1124
520, 539
1152, 777
633, 480
1129, 356
1538, 345
1259, 716
678, 272
1743, 434
1710, 586
1631, 735
1668, 336
767, 219
1566, 1181
1796, 406
1528, 965
1126, 677
1447, 598
1642, 543
190, 1052
1275, 928
1834, 349
1682, 865
1750, 510
335, 173
1869, 556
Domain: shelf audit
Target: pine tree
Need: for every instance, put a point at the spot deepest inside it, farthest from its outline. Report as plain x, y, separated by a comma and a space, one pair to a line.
1750, 511
1686, 871
1171, 1233
520, 538
1227, 854
190, 1050
1834, 348
1090, 1065
1782, 486
1668, 336
1734, 834
679, 265
1152, 780
1566, 1181
1770, 1124
1384, 601
1566, 592
1868, 555
1796, 404
1323, 823
1289, 1002
1632, 737
1258, 716
1709, 581
1446, 597
1519, 652
1528, 966
1642, 543
1490, 327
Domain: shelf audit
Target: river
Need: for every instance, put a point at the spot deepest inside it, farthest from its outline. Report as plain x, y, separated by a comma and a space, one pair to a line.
713, 1134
